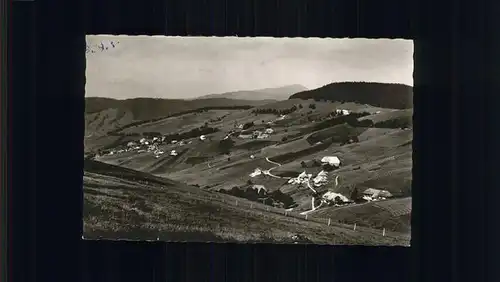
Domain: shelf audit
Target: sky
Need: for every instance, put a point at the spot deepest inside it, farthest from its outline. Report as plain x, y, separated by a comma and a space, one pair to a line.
188, 67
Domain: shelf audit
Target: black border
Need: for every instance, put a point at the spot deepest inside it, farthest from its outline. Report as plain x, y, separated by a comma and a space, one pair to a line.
47, 199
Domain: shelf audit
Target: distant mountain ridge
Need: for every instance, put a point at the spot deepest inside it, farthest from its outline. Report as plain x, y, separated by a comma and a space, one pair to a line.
384, 95
147, 108
276, 93
105, 114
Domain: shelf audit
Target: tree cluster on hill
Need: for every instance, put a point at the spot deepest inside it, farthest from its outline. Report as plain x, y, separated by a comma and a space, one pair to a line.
248, 125
401, 122
151, 134
276, 111
351, 119
226, 145
275, 198
384, 95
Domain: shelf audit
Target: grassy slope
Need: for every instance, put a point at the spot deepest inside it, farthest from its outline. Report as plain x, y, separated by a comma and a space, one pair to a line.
382, 159
391, 214
126, 204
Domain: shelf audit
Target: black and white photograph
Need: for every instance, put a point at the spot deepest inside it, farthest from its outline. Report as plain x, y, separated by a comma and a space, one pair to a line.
248, 140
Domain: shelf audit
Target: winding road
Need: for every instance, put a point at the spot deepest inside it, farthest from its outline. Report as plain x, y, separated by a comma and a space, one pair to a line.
268, 172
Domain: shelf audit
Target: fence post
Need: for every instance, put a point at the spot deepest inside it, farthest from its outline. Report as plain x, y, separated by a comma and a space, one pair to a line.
383, 232
329, 221
354, 226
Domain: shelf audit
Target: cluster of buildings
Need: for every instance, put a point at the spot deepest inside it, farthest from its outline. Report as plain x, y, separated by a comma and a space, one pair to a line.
302, 178
150, 145
258, 134
342, 112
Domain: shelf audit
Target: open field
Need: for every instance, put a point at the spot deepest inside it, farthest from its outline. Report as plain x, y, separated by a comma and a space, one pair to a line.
119, 201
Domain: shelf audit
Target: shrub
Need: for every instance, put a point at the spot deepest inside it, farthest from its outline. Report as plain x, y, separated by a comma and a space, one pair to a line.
248, 125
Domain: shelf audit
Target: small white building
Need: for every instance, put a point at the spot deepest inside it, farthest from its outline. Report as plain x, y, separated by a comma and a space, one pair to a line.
155, 139
263, 136
203, 137
321, 178
331, 196
371, 194
301, 179
331, 160
143, 141
269, 131
173, 153
131, 144
174, 142
342, 112
256, 172
259, 188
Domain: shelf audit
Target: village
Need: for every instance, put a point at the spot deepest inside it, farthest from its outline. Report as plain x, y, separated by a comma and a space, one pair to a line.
327, 198
156, 146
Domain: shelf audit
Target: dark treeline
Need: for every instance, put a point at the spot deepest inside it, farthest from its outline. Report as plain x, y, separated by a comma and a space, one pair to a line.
198, 110
275, 111
401, 122
351, 119
191, 134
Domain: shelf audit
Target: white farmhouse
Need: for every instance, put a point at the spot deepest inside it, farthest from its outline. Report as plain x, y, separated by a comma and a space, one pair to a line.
256, 172
342, 112
331, 196
321, 178
173, 153
331, 160
371, 194
203, 137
